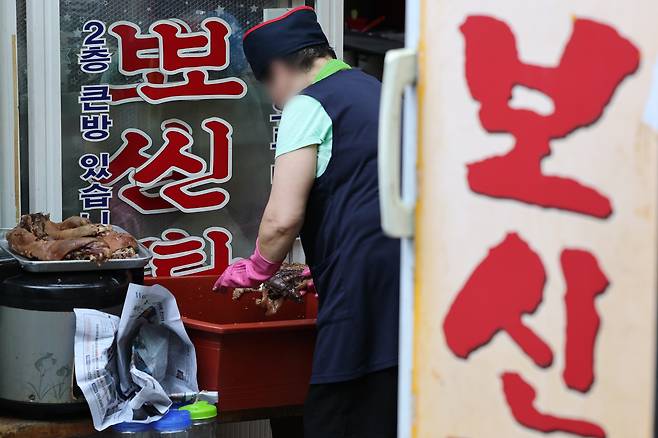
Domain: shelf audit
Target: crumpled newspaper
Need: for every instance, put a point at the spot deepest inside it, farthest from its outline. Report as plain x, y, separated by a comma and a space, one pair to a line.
128, 367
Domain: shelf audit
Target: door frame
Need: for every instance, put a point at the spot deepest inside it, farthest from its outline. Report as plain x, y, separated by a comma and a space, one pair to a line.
9, 148
331, 17
44, 107
409, 190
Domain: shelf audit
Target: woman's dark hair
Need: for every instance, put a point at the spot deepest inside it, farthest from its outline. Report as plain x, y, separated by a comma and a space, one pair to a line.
303, 59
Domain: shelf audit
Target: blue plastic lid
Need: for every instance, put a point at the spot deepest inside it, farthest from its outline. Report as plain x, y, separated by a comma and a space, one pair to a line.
131, 427
173, 421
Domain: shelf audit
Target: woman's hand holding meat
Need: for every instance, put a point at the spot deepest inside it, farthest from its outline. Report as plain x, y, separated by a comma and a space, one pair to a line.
247, 273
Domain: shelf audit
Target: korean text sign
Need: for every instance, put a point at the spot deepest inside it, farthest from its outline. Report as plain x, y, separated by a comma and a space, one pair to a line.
537, 244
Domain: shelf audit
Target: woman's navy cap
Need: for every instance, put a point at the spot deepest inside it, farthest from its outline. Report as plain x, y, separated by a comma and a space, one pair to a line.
293, 31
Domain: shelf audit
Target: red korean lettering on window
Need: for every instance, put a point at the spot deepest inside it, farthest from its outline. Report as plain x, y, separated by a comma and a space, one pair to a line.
172, 178
170, 48
176, 253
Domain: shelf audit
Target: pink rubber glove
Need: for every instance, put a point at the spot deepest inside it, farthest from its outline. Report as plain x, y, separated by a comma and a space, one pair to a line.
248, 273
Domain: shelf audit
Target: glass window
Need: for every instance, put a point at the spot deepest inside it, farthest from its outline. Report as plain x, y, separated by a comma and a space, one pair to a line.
165, 132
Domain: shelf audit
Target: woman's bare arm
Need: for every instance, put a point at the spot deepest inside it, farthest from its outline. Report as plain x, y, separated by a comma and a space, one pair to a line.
294, 174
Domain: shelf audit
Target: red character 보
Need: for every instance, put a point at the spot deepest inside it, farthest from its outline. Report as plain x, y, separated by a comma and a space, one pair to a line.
170, 48
177, 253
493, 68
509, 283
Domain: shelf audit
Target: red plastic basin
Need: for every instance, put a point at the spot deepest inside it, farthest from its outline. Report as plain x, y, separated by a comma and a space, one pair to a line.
253, 360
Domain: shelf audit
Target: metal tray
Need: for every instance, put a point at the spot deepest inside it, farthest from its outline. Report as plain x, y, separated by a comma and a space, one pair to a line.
142, 259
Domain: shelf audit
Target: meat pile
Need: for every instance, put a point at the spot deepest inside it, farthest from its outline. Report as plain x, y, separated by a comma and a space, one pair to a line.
37, 237
288, 283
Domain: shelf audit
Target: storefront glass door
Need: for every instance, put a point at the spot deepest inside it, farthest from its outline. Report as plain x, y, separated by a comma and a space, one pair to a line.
163, 129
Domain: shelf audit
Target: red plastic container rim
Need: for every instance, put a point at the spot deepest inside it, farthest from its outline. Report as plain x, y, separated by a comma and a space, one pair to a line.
249, 327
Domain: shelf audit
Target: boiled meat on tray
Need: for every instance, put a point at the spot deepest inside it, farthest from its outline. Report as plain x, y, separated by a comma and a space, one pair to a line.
37, 237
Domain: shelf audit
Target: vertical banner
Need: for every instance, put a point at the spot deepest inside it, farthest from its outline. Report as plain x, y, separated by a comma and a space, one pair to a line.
165, 131
536, 234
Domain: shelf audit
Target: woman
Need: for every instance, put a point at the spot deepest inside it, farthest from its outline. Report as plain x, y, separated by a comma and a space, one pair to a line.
325, 186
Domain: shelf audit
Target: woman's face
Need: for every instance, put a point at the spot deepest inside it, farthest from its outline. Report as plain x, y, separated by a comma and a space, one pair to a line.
282, 83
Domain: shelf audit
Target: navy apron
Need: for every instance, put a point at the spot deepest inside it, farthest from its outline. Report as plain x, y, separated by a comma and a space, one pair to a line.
356, 268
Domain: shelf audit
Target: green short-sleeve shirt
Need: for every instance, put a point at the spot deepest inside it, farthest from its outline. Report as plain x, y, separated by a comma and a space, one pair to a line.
304, 122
